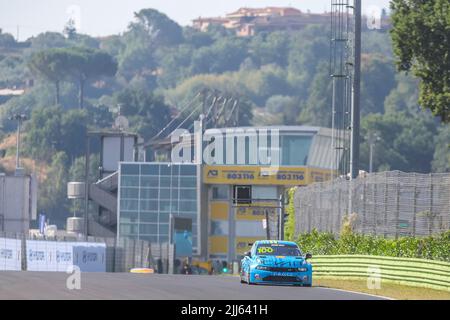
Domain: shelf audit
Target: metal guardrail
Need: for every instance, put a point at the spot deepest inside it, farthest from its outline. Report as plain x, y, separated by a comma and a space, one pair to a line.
407, 271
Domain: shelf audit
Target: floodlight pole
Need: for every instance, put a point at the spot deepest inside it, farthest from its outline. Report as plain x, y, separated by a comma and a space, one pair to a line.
18, 144
355, 110
19, 118
86, 188
281, 217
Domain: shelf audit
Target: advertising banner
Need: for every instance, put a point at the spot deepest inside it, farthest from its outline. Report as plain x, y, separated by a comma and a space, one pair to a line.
63, 253
90, 257
10, 254
37, 255
59, 256
260, 175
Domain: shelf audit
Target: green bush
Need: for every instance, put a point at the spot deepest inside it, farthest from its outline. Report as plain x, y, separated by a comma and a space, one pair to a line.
435, 247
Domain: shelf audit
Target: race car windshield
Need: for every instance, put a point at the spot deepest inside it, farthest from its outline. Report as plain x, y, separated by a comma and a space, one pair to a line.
278, 250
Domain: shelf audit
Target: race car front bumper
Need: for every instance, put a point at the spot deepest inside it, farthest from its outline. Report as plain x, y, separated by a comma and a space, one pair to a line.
269, 277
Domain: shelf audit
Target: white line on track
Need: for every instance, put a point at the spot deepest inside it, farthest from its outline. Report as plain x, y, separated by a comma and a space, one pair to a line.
358, 292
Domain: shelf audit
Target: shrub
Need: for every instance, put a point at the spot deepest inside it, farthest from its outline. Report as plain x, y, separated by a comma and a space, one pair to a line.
435, 247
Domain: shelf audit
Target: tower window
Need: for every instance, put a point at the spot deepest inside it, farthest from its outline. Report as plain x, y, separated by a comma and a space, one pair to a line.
242, 194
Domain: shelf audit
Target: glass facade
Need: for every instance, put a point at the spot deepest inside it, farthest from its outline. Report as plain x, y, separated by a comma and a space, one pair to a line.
293, 148
149, 193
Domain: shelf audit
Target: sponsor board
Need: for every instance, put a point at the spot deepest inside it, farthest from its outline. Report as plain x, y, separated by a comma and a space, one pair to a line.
10, 254
59, 256
260, 175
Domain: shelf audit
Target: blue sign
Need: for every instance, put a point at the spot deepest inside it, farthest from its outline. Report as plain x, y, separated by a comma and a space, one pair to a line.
183, 243
181, 235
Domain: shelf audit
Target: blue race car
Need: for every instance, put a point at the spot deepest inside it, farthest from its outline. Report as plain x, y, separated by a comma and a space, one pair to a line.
276, 262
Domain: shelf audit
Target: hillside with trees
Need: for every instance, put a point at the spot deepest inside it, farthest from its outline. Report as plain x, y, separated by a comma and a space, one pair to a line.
155, 68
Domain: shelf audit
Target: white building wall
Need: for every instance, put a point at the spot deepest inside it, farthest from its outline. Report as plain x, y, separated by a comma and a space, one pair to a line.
17, 203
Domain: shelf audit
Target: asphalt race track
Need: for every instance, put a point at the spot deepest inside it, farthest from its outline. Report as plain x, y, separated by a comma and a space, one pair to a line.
52, 285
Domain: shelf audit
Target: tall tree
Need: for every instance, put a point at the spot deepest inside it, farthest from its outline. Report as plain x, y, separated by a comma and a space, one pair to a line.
157, 27
377, 81
85, 64
7, 40
405, 141
52, 65
47, 40
316, 110
80, 63
70, 30
421, 35
441, 160
53, 191
52, 129
147, 113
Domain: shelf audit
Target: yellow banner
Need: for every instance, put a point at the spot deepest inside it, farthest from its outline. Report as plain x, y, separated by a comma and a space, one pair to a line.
260, 175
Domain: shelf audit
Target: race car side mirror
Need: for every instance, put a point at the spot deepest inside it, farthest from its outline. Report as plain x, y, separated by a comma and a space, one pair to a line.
248, 254
308, 256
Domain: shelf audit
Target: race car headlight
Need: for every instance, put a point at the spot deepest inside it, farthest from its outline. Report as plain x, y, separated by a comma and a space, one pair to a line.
262, 268
302, 269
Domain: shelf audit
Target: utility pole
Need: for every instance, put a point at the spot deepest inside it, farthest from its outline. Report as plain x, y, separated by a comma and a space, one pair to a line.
19, 118
355, 110
86, 188
281, 217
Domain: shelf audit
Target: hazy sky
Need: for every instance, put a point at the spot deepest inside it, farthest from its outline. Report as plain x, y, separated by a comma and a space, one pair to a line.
105, 17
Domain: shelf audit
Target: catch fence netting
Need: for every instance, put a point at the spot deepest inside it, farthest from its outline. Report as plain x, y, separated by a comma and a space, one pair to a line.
389, 204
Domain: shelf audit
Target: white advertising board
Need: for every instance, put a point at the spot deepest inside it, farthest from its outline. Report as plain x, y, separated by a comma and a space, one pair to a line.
59, 256
10, 254
63, 256
38, 256
90, 257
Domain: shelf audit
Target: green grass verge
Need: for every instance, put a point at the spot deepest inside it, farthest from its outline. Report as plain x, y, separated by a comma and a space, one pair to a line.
387, 289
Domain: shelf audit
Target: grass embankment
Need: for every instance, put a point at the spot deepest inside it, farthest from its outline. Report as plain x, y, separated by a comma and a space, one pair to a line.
387, 289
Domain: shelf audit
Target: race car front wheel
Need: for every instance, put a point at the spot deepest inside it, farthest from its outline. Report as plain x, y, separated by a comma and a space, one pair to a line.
248, 279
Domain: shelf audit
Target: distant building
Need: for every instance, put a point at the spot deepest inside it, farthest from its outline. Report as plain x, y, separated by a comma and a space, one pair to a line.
203, 24
11, 92
15, 89
250, 21
18, 203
